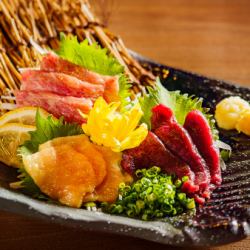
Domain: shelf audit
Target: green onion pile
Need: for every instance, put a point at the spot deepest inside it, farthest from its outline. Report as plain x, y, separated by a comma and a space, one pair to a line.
154, 195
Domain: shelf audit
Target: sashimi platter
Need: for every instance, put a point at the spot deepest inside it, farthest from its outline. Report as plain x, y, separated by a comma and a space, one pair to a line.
95, 134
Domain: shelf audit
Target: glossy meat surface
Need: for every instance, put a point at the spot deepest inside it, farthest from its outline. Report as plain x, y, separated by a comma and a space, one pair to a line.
66, 106
59, 83
178, 141
200, 132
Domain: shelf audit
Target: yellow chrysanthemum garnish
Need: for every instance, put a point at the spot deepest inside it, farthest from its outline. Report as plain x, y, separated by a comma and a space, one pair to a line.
119, 131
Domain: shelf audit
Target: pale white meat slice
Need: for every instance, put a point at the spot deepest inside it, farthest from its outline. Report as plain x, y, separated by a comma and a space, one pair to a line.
62, 173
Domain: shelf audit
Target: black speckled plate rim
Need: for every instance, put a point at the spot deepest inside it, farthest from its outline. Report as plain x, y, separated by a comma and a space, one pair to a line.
161, 232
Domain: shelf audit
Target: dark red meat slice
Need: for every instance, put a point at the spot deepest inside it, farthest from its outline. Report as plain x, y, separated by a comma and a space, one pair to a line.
57, 105
178, 141
59, 83
200, 132
161, 115
152, 152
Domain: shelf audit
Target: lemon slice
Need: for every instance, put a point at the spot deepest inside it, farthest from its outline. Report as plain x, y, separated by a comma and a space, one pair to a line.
12, 135
25, 115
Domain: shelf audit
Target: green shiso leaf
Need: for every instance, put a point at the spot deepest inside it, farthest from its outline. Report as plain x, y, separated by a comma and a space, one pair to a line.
147, 102
153, 196
181, 104
95, 58
47, 128
124, 92
27, 184
91, 57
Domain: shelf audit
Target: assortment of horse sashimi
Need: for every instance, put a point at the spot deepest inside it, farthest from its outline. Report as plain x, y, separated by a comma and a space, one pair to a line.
83, 141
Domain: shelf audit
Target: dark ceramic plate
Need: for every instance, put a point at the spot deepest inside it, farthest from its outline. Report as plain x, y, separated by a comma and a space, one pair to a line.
224, 219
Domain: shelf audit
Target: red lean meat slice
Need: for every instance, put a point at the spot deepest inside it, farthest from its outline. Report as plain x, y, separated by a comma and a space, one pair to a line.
200, 132
54, 63
59, 83
152, 152
57, 105
177, 140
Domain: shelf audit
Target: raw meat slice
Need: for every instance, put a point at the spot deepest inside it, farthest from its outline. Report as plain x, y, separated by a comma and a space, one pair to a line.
54, 63
59, 83
152, 152
57, 105
200, 132
111, 91
108, 190
161, 115
82, 144
62, 173
100, 168
178, 141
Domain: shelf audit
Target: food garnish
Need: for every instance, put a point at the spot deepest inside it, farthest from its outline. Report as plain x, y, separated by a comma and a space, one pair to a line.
48, 128
12, 135
91, 57
113, 129
24, 115
228, 112
243, 124
153, 196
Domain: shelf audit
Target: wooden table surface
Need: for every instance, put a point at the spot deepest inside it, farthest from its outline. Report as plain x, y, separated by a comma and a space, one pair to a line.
211, 37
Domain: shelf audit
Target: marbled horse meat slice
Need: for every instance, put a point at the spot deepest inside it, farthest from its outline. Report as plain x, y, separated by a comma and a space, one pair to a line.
59, 83
54, 63
57, 105
178, 141
152, 152
200, 132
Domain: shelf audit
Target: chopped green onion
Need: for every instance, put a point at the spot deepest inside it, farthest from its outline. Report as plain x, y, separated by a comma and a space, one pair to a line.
153, 195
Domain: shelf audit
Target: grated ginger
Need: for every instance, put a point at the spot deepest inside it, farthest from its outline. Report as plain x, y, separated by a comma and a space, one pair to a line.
229, 111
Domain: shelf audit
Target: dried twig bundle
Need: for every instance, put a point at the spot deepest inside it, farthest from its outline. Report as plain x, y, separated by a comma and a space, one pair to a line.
24, 23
